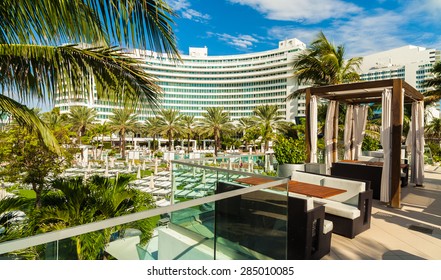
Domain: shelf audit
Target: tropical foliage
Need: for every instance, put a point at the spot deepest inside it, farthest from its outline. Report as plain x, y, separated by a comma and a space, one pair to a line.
123, 121
268, 119
188, 124
38, 55
434, 84
81, 119
323, 63
169, 125
72, 202
214, 122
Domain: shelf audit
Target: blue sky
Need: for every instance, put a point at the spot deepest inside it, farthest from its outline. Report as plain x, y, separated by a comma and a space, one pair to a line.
363, 27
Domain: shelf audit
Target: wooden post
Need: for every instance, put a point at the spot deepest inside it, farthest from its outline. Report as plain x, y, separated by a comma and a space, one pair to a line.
397, 125
308, 124
335, 134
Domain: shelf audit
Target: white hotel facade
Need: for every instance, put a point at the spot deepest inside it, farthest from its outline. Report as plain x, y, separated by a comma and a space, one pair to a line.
238, 83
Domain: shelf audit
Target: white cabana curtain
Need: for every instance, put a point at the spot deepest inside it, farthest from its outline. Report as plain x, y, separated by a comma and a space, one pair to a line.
415, 143
385, 138
313, 126
329, 132
347, 136
355, 125
359, 127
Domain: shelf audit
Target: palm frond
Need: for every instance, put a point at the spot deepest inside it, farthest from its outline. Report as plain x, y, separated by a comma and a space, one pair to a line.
145, 24
34, 71
27, 118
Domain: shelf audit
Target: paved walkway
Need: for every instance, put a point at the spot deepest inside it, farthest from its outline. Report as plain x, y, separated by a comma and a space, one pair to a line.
412, 232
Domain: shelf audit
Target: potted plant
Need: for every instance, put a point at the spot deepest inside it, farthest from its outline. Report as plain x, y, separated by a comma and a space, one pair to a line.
290, 155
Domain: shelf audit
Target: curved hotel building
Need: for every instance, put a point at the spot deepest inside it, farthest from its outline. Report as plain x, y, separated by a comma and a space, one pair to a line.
238, 83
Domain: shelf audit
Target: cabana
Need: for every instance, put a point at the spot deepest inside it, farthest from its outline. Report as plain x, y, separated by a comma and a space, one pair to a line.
392, 94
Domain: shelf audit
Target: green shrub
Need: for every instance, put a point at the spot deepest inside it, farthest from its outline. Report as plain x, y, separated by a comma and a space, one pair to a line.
288, 150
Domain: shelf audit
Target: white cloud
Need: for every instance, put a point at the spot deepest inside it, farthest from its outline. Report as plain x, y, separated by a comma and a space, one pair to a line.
310, 11
361, 35
240, 41
182, 7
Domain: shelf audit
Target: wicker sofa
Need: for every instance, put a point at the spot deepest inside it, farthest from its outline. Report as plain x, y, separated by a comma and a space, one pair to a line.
350, 212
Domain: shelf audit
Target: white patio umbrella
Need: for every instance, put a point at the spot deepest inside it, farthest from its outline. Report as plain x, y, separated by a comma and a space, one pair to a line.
143, 165
152, 182
138, 174
130, 167
230, 164
250, 163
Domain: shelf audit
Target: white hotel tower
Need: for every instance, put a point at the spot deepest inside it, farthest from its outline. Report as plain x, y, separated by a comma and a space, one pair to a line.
238, 83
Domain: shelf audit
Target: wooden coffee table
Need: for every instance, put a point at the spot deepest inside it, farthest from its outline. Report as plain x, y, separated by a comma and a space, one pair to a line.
296, 187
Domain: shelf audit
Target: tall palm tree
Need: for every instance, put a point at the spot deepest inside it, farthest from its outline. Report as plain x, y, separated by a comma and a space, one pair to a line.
434, 95
123, 121
169, 124
268, 119
81, 119
151, 126
323, 63
214, 122
188, 125
34, 64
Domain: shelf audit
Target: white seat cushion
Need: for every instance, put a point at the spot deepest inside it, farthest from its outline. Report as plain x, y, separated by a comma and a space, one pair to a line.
328, 226
342, 210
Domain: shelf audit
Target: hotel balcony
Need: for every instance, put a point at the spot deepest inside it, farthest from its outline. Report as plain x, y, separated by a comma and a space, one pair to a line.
213, 216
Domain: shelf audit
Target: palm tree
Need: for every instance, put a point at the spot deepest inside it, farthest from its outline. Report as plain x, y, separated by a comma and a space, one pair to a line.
82, 119
151, 126
188, 124
323, 63
102, 130
123, 121
433, 130
35, 66
268, 119
169, 124
434, 95
214, 122
59, 125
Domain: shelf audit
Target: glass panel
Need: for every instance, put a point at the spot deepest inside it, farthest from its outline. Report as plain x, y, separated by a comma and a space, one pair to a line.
253, 225
246, 226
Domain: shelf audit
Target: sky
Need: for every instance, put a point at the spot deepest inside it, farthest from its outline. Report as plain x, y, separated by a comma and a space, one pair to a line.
228, 27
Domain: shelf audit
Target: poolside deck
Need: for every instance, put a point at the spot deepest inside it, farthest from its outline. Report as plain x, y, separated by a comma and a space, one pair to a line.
410, 233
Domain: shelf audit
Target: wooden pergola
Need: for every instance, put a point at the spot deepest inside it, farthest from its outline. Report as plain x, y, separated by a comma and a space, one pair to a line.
367, 93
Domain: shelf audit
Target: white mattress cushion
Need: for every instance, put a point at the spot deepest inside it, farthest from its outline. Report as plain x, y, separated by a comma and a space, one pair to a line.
328, 226
342, 210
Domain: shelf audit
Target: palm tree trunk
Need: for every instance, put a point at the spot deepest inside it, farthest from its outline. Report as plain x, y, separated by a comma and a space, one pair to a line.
123, 144
169, 142
215, 143
188, 144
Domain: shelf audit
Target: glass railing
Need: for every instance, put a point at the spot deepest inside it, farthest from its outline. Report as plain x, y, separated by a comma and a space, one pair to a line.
214, 215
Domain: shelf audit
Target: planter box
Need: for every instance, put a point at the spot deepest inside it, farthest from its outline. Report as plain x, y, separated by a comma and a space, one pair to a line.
285, 170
